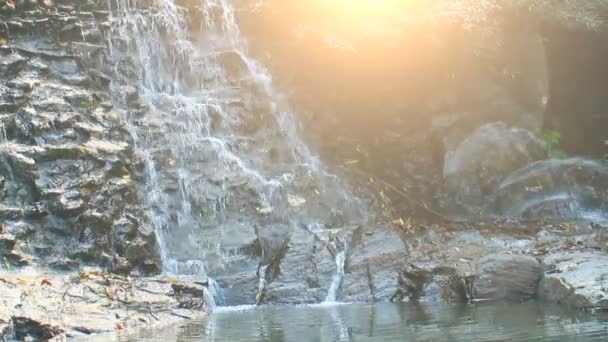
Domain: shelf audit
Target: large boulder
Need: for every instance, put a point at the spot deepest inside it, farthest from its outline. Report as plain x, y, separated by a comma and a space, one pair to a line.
474, 168
577, 279
507, 277
572, 188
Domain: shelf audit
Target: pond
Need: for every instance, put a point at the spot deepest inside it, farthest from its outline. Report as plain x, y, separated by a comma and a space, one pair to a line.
385, 322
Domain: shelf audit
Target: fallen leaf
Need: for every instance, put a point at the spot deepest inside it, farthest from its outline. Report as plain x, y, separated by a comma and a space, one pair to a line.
22, 281
87, 190
3, 41
45, 281
27, 293
295, 201
264, 210
109, 292
334, 231
257, 297
112, 116
406, 224
29, 86
141, 319
119, 326
351, 162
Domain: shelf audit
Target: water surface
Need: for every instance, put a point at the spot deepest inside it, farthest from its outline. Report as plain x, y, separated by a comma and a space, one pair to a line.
387, 322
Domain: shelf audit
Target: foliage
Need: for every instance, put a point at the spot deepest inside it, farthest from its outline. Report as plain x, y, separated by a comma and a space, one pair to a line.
552, 139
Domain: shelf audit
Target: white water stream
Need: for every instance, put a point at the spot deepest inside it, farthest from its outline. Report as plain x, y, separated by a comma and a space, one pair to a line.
209, 124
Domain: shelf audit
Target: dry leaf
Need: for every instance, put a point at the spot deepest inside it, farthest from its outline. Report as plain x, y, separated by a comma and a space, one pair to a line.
295, 201
22, 281
265, 210
112, 116
119, 326
108, 292
45, 281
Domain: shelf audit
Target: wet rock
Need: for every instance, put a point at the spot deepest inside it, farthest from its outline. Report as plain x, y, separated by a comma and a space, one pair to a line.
7, 243
8, 8
122, 266
577, 279
108, 147
10, 213
6, 331
189, 295
64, 264
17, 259
71, 32
4, 38
373, 267
571, 188
474, 169
26, 327
428, 284
507, 277
69, 203
138, 251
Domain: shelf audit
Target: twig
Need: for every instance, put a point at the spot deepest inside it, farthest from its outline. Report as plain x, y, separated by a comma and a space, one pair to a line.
421, 204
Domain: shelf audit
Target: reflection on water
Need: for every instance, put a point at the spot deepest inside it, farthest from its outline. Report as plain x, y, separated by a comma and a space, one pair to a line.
387, 322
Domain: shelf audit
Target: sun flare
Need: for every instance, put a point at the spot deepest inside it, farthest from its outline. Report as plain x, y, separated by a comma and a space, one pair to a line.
353, 18
366, 9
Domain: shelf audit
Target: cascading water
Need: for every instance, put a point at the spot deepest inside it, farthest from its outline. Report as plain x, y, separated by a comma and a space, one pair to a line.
221, 151
337, 278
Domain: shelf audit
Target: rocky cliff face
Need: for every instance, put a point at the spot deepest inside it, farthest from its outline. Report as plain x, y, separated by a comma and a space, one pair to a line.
68, 170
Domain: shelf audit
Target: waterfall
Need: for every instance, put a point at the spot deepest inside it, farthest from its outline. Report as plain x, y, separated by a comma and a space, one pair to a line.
220, 144
337, 278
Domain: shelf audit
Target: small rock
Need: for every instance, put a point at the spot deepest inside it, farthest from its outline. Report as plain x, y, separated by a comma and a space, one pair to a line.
189, 296
10, 213
17, 259
31, 328
137, 251
64, 264
15, 26
7, 243
101, 15
47, 3
8, 8
122, 266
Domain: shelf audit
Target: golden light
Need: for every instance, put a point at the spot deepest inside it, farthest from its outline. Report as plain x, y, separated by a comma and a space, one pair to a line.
366, 10
354, 19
